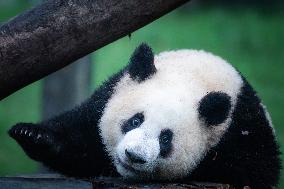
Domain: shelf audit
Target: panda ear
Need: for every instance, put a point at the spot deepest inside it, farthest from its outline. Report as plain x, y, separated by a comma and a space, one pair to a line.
141, 65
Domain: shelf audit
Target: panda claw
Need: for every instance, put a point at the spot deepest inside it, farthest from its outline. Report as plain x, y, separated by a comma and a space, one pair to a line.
38, 136
30, 134
26, 131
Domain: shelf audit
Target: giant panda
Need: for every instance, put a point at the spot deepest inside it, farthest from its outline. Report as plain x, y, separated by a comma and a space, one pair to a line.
180, 115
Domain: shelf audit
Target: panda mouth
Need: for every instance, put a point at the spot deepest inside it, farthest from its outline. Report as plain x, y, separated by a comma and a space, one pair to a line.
128, 167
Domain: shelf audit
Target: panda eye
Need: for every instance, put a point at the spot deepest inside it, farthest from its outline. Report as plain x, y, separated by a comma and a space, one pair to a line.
165, 140
136, 122
132, 123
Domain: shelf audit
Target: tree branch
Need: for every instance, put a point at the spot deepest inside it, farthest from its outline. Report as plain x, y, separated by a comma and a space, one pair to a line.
58, 32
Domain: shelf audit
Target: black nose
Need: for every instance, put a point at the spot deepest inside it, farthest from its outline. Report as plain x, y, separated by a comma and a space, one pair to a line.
134, 157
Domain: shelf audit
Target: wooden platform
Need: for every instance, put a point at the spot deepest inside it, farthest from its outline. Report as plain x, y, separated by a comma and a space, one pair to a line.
53, 181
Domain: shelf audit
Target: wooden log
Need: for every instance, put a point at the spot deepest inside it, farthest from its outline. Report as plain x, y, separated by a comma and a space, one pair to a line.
58, 32
53, 181
43, 182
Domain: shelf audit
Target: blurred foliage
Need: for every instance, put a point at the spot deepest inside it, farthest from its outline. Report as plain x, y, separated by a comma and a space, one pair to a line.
263, 4
10, 8
248, 38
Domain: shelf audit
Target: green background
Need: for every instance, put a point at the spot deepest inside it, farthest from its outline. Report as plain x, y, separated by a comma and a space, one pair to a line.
249, 38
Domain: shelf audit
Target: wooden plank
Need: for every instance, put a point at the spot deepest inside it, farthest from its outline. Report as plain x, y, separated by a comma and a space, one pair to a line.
54, 181
27, 182
107, 182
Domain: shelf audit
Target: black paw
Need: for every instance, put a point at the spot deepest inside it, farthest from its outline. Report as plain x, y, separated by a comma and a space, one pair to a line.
38, 142
29, 133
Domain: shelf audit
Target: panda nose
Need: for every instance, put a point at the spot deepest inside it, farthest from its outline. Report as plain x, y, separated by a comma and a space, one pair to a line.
134, 157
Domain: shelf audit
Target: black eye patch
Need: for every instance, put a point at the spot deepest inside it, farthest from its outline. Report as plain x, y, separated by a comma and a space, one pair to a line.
132, 123
165, 140
214, 108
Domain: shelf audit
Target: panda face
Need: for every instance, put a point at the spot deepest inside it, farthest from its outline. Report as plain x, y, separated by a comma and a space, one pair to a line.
162, 124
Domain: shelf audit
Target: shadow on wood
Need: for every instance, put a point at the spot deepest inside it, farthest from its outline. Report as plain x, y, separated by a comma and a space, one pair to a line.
54, 181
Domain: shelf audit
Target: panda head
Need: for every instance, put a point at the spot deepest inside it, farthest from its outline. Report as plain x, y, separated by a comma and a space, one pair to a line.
167, 111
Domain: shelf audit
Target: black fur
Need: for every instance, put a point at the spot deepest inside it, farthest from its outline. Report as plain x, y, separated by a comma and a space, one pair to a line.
141, 64
165, 140
247, 154
214, 108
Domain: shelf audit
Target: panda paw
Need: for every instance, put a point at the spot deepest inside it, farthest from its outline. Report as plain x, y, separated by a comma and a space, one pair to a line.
29, 133
37, 142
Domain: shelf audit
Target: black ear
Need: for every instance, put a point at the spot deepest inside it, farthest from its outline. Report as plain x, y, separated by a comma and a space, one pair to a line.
214, 108
141, 65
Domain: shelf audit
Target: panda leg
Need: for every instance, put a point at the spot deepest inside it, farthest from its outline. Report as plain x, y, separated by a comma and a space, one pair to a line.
67, 149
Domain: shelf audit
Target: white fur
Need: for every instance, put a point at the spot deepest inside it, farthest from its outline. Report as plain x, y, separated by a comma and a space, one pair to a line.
169, 100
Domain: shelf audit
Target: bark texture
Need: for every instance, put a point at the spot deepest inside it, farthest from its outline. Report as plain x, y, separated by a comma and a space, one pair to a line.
51, 181
58, 32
